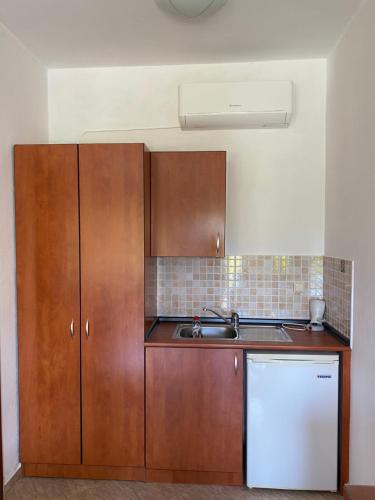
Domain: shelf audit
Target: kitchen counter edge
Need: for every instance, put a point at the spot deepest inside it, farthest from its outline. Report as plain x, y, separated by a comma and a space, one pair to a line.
161, 335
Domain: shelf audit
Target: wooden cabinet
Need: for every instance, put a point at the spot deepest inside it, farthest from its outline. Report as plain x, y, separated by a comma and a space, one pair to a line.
47, 226
112, 294
80, 279
194, 409
112, 260
188, 203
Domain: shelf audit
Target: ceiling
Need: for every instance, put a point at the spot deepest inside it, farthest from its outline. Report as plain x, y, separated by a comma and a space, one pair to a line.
74, 33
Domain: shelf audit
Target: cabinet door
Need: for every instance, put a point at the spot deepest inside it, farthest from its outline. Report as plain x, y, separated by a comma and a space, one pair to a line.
46, 182
194, 408
112, 280
188, 203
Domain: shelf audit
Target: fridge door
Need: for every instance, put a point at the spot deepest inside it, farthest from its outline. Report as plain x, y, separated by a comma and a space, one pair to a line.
292, 422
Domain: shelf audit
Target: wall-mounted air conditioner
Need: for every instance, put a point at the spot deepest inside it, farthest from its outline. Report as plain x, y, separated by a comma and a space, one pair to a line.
255, 104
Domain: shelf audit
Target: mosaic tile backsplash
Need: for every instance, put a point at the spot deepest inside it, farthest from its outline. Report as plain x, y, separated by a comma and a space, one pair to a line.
338, 293
254, 286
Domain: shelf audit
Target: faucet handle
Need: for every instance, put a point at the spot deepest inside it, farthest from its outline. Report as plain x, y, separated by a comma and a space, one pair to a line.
235, 319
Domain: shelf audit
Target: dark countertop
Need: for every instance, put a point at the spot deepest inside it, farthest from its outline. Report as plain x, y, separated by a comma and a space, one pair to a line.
161, 336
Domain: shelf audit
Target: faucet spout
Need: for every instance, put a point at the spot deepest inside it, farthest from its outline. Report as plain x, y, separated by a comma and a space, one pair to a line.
234, 322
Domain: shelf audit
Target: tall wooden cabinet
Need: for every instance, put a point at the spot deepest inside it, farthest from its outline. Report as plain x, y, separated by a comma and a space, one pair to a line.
48, 294
81, 222
112, 293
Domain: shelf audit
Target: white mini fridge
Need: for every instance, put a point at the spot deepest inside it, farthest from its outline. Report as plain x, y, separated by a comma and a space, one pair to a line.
292, 421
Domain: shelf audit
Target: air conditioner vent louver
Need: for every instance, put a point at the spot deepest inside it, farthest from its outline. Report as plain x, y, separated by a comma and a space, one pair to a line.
254, 104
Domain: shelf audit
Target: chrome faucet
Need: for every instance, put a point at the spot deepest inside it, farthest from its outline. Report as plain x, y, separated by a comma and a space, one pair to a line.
234, 321
197, 327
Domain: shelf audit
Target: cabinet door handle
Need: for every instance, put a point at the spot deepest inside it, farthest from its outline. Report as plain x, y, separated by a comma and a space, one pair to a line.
72, 328
217, 244
235, 364
87, 329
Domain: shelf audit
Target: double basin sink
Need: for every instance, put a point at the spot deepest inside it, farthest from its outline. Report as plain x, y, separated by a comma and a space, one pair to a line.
251, 333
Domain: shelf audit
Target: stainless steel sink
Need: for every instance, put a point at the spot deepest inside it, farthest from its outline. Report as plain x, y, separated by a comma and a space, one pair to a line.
207, 332
263, 333
246, 333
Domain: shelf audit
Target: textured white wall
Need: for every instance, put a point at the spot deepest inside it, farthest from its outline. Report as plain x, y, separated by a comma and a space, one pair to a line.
275, 196
23, 119
350, 214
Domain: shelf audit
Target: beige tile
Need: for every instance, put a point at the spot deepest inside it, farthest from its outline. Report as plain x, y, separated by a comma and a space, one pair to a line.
337, 293
232, 282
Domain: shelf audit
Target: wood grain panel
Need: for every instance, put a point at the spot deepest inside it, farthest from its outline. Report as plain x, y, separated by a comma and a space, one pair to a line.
355, 492
194, 409
150, 262
85, 472
188, 203
112, 256
147, 201
46, 182
344, 421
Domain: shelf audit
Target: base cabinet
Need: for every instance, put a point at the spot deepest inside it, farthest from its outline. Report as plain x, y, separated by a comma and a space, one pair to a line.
194, 410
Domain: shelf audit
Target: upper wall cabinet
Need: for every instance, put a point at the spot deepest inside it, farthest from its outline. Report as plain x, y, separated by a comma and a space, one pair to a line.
188, 203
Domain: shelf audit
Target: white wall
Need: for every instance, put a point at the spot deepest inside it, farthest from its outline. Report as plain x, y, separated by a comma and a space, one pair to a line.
350, 214
275, 201
23, 119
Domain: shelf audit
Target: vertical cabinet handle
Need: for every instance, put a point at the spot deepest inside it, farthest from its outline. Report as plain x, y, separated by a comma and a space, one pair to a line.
235, 364
87, 329
217, 244
72, 328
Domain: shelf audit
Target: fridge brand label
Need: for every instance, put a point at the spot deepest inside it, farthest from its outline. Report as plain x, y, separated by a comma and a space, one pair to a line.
324, 376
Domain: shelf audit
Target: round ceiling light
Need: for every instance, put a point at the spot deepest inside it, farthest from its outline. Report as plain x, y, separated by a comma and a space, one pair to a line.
191, 8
